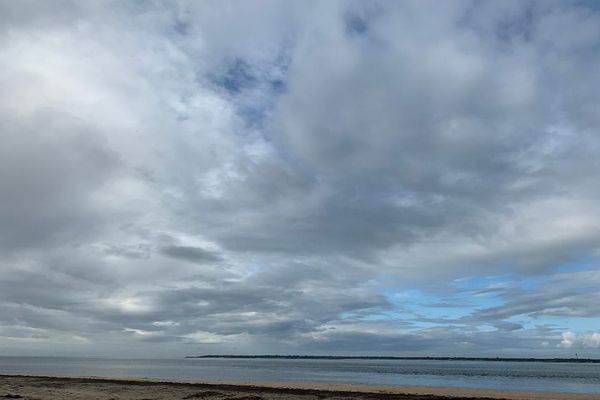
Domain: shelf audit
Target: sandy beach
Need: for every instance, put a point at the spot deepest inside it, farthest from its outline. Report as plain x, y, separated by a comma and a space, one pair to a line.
55, 388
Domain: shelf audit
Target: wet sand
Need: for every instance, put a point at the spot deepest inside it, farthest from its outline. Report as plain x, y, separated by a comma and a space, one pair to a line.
58, 388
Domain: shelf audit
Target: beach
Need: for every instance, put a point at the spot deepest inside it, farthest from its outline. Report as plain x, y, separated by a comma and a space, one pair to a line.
80, 388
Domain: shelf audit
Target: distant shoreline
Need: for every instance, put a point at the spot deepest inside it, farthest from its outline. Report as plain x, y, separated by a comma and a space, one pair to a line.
308, 357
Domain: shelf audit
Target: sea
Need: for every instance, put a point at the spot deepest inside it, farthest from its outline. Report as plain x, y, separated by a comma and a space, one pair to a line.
529, 376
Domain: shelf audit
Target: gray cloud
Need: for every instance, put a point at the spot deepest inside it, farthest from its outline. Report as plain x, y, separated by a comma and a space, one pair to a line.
190, 253
207, 175
567, 294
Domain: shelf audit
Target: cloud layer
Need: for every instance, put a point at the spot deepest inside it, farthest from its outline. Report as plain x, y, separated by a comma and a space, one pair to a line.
323, 177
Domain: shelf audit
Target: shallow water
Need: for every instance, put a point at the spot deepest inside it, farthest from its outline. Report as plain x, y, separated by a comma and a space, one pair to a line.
560, 377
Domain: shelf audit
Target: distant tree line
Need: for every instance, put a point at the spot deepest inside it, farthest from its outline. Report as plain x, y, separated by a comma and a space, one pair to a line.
308, 357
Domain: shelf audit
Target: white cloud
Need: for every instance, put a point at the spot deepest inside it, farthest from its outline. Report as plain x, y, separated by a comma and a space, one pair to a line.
580, 340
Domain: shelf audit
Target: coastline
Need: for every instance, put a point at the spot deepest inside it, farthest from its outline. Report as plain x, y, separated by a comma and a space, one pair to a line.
394, 358
125, 388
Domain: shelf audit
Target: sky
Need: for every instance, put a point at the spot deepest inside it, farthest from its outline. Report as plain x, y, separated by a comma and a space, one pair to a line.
313, 177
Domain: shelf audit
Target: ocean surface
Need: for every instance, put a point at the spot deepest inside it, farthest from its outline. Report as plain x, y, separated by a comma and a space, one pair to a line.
559, 377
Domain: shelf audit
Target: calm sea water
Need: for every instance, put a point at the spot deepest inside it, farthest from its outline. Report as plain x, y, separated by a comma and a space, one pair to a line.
561, 377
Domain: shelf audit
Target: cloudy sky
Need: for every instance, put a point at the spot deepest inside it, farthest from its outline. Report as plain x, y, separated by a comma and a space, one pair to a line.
328, 177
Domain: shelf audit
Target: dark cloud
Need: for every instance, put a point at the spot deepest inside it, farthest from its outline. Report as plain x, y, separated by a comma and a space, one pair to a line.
190, 253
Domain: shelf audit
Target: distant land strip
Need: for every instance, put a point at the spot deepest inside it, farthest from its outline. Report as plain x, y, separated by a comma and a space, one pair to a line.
307, 357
